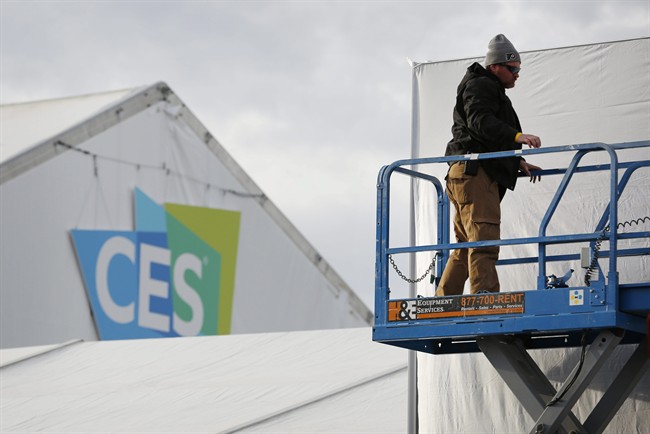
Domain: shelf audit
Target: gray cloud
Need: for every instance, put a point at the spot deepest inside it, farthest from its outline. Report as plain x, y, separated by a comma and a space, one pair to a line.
311, 98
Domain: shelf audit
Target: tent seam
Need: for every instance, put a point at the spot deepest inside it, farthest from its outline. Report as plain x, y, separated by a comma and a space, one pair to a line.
309, 402
40, 353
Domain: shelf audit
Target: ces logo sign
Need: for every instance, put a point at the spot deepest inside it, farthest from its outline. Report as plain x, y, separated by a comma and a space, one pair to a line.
173, 276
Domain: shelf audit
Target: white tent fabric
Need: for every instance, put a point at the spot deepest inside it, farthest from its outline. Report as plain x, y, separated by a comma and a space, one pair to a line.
27, 124
314, 381
584, 94
85, 177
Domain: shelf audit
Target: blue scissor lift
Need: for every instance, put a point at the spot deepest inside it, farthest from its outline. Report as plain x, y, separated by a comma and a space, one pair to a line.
596, 316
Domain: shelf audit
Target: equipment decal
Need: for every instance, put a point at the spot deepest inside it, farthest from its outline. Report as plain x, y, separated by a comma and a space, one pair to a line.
456, 306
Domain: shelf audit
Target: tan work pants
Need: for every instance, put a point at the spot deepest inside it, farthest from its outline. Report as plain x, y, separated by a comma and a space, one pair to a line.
478, 218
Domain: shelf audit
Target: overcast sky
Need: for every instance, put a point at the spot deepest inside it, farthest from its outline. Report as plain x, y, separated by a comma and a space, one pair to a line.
311, 98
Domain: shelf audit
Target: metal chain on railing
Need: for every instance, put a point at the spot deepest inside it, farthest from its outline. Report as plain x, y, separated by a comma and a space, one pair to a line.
400, 274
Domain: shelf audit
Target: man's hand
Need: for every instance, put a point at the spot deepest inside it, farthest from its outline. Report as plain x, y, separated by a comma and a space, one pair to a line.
530, 140
527, 168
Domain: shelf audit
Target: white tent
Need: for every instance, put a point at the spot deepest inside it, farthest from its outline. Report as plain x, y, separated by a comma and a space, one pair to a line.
573, 95
334, 381
121, 216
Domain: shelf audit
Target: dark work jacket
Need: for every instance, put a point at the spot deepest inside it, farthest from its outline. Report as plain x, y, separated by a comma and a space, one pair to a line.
485, 121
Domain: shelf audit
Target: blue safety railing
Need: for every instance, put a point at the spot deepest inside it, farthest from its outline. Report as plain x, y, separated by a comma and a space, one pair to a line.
547, 315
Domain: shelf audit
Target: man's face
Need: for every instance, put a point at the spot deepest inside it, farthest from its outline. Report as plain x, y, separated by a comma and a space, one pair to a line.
504, 72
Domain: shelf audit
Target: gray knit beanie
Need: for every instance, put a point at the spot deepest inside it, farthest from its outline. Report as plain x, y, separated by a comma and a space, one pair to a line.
501, 50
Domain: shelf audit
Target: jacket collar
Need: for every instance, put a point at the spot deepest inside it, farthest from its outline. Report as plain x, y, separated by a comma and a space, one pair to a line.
476, 69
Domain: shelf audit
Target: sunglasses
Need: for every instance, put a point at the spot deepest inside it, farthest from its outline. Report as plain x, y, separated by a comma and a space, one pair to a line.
512, 69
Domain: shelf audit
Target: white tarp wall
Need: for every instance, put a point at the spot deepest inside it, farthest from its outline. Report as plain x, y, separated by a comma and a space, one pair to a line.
280, 282
584, 94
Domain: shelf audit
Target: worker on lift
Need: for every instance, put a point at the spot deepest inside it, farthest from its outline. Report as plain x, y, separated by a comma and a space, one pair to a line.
484, 121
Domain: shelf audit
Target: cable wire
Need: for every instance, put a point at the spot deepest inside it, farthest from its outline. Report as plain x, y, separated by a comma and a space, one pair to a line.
583, 342
164, 168
597, 244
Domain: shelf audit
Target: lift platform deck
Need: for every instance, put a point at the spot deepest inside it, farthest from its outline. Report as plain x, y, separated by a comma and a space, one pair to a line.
597, 315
